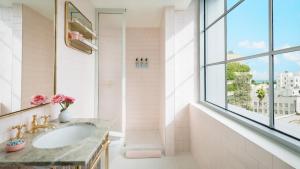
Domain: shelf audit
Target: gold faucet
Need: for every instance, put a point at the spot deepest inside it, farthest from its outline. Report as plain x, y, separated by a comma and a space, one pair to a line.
35, 125
19, 134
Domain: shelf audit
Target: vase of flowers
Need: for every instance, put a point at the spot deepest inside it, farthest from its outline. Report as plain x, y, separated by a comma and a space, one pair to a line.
64, 102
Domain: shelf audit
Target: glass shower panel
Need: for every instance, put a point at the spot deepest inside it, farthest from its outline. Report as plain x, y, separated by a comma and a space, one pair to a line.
111, 55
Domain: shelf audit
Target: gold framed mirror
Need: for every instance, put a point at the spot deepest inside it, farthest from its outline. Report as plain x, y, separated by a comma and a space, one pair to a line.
28, 58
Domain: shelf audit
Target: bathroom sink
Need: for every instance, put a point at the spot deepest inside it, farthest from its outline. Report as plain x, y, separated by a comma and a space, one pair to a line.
64, 136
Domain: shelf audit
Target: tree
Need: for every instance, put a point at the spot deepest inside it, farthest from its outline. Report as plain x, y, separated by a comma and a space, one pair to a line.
239, 78
234, 67
261, 93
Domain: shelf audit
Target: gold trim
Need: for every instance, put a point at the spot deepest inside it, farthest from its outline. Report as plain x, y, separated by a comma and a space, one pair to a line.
55, 46
21, 111
55, 73
78, 167
67, 41
105, 149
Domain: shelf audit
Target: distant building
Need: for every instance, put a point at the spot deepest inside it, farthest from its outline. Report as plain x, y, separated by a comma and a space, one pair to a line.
288, 80
286, 95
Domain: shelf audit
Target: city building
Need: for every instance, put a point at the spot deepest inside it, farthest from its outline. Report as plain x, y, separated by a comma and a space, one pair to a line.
286, 95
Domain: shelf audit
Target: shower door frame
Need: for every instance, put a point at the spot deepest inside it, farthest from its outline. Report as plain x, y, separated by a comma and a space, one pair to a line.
120, 11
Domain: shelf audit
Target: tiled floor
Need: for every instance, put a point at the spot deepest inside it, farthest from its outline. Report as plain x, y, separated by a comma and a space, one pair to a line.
118, 161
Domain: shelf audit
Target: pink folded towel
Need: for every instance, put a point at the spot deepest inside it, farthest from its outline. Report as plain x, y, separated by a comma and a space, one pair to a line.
143, 153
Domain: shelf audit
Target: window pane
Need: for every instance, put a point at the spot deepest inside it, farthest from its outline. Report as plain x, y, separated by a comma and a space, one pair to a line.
247, 29
286, 23
215, 43
215, 85
247, 88
287, 93
213, 10
231, 3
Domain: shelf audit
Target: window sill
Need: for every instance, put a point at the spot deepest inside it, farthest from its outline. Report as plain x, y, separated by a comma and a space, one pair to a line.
281, 146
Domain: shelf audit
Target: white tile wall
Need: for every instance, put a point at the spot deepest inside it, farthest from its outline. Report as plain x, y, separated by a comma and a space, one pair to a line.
23, 118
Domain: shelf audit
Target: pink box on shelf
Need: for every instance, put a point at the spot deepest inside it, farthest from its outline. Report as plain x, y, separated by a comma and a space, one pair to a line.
74, 35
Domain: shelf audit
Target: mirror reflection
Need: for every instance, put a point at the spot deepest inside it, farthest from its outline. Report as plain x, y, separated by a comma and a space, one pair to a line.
27, 52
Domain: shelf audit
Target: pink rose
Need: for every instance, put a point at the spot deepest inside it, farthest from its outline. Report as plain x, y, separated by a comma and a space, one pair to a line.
63, 101
59, 98
38, 100
69, 100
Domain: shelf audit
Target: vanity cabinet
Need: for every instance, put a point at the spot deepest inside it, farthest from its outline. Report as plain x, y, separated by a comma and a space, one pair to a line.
90, 153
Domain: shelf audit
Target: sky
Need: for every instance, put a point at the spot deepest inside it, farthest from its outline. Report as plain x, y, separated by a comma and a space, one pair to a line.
247, 34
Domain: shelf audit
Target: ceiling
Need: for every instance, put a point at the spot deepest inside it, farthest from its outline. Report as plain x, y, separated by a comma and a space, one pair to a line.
142, 13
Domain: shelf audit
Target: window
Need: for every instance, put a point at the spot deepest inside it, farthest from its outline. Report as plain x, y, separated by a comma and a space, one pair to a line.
242, 90
240, 40
250, 61
286, 31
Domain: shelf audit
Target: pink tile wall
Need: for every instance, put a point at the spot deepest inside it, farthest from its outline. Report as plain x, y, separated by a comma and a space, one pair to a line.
143, 85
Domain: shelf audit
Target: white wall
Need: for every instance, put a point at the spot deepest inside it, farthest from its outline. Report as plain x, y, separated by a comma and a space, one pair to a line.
215, 145
168, 65
179, 55
76, 70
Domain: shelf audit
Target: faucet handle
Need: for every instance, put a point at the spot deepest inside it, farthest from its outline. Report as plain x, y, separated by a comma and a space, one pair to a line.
46, 119
19, 134
34, 117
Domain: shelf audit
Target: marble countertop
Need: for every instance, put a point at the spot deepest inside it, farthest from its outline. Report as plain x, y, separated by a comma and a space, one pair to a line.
76, 154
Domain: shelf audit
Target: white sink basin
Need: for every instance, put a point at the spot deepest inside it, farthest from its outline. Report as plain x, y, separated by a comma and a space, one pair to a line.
64, 136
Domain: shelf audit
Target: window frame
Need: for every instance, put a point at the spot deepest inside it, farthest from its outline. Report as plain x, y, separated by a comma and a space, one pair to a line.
266, 129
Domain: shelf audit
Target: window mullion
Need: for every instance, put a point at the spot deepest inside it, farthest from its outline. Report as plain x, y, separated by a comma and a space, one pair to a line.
271, 67
204, 34
225, 52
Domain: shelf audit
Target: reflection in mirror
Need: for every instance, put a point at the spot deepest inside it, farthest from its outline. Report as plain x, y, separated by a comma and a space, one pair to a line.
27, 45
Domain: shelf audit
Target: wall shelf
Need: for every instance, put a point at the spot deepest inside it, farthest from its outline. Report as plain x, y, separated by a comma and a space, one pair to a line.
83, 44
75, 25
75, 21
